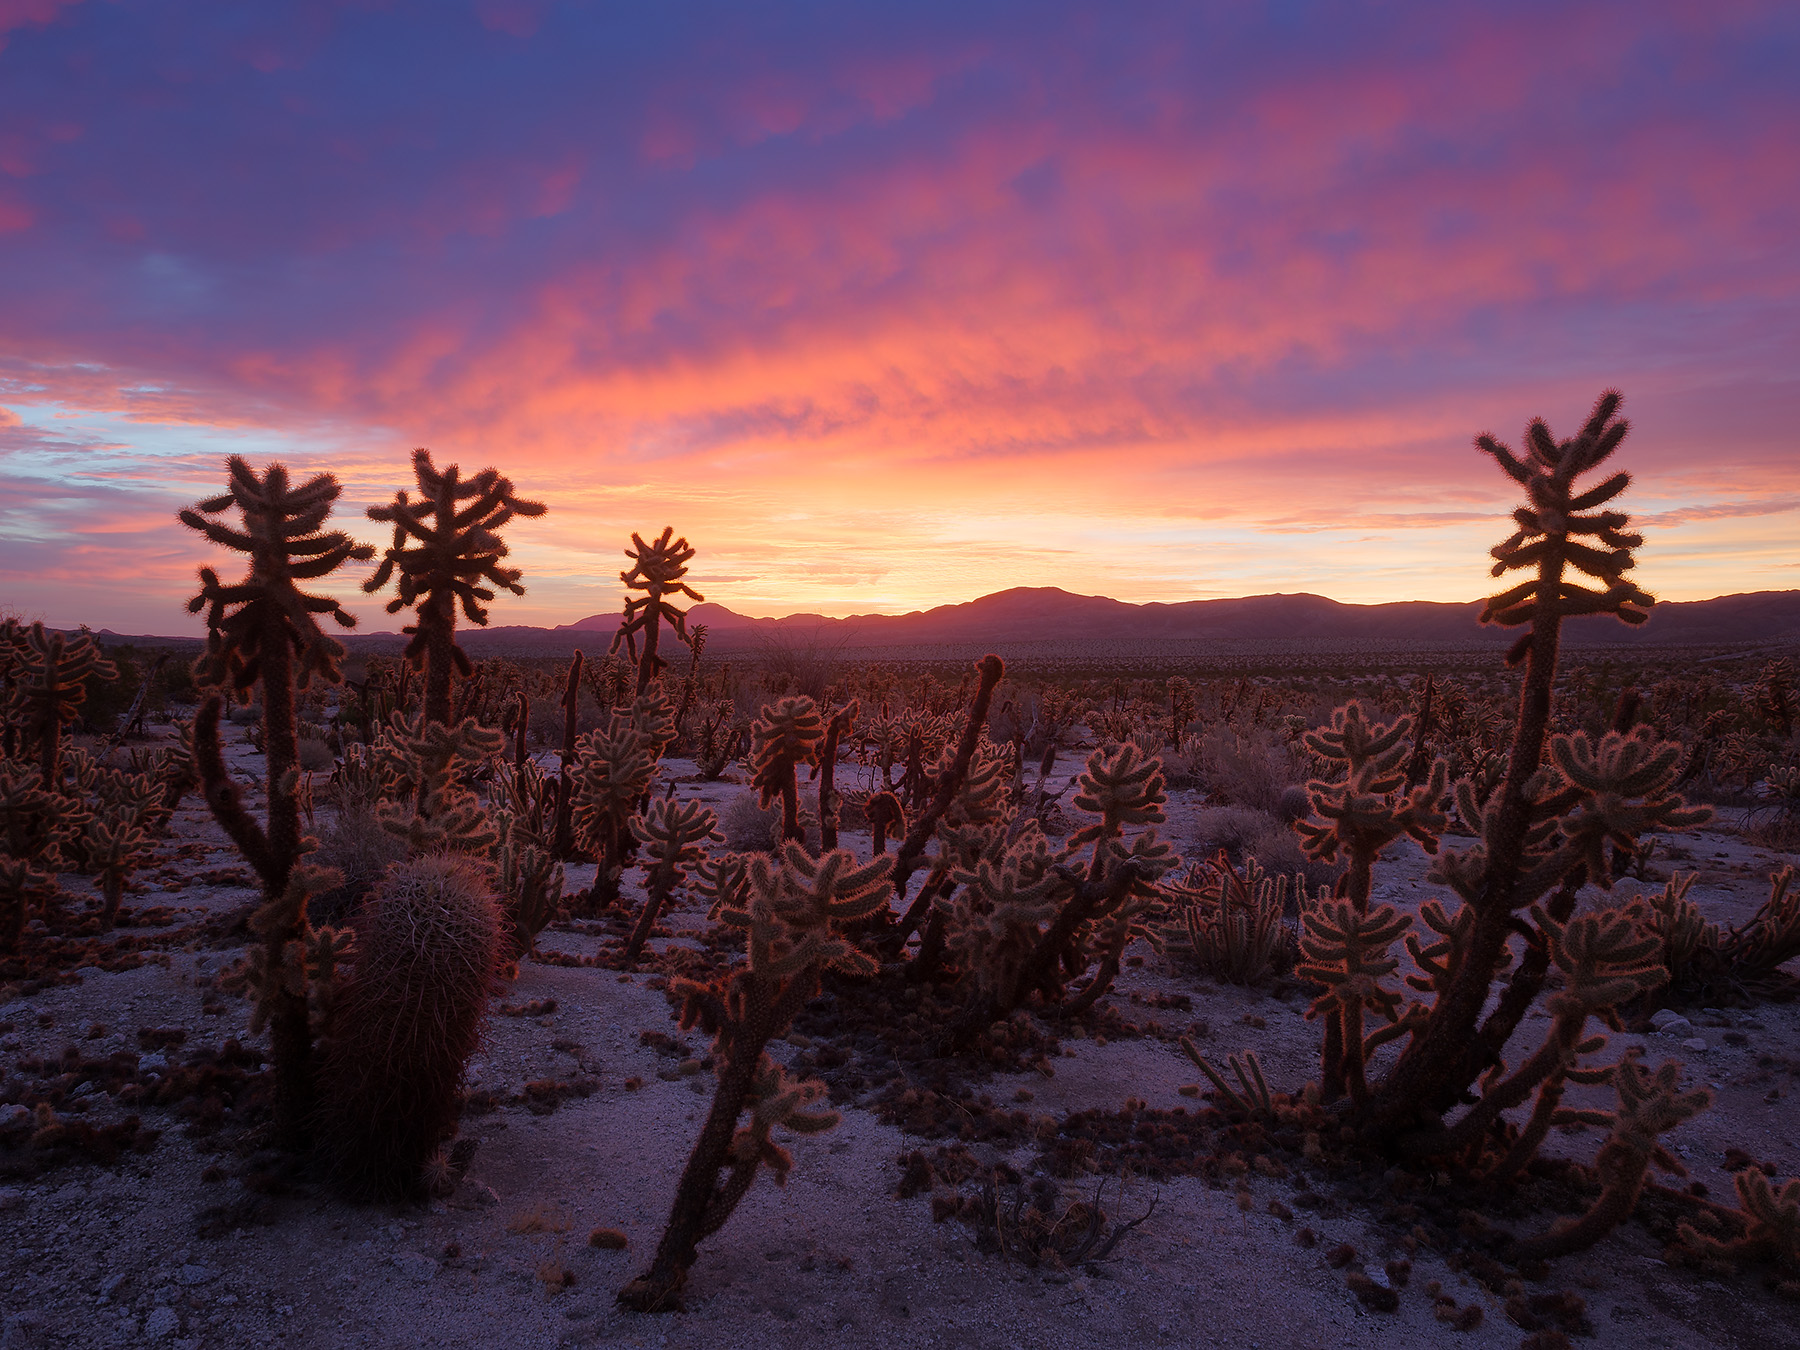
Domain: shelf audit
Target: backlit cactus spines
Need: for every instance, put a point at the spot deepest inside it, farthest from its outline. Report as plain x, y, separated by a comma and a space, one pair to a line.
1771, 1224
52, 689
796, 919
785, 735
1650, 1105
1367, 809
615, 767
1345, 950
264, 630
671, 834
446, 553
421, 764
657, 570
403, 1027
1553, 524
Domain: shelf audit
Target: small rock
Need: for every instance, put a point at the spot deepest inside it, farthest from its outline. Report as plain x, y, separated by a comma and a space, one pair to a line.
192, 1275
1677, 1026
156, 1061
161, 1324
10, 1196
415, 1266
13, 1115
86, 1089
1695, 1045
21, 1330
110, 1285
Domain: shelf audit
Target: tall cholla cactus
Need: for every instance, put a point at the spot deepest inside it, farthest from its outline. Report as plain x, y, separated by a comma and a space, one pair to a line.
795, 917
657, 570
53, 690
1542, 828
421, 765
1551, 529
615, 766
445, 546
264, 629
1362, 812
785, 735
671, 833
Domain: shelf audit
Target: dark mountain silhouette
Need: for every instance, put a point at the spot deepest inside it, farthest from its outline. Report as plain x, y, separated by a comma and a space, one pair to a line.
1046, 614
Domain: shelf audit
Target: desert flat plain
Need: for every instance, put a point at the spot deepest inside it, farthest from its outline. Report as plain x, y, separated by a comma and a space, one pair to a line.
584, 1097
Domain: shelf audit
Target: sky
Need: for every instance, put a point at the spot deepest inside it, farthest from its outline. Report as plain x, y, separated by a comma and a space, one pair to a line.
889, 305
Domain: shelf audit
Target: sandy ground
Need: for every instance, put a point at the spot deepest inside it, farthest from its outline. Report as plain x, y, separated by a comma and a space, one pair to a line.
113, 1255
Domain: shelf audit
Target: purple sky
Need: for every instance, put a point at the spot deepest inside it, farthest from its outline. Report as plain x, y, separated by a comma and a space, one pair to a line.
889, 305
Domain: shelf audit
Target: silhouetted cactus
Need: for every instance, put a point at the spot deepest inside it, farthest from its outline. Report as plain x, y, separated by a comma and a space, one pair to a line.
1650, 1105
1542, 829
52, 688
657, 570
671, 833
22, 885
785, 735
794, 919
421, 764
531, 889
1771, 1225
1362, 812
264, 629
402, 1028
446, 545
615, 768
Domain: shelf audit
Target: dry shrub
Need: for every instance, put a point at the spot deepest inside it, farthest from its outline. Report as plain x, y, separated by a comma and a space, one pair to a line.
356, 846
1246, 833
747, 827
1250, 767
315, 755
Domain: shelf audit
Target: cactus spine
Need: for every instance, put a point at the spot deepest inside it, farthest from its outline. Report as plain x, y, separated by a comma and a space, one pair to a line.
445, 546
264, 630
403, 1026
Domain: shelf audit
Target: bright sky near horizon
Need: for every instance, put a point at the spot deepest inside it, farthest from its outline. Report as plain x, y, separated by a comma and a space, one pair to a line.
887, 305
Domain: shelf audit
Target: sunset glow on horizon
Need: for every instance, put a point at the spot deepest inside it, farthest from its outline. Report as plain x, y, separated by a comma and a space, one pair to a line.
889, 306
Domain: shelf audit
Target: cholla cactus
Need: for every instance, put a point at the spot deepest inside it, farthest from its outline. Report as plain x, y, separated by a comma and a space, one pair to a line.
657, 570
785, 735
1774, 697
445, 546
531, 889
264, 629
1552, 526
421, 764
116, 845
795, 920
1368, 808
614, 768
671, 833
53, 689
1345, 949
1542, 829
1650, 1105
1771, 1220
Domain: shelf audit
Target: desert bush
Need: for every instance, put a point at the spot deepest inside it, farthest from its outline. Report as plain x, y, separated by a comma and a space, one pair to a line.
1251, 766
359, 850
313, 756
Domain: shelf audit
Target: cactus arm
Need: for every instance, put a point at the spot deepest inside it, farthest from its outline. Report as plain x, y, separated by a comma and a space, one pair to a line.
908, 857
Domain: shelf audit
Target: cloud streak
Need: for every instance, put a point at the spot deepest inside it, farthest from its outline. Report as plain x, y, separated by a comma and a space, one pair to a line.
890, 304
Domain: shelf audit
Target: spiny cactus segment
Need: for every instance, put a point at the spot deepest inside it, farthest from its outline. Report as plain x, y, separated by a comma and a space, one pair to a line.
447, 553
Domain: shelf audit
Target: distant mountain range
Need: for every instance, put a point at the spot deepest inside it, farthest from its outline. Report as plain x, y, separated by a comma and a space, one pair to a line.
1047, 614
